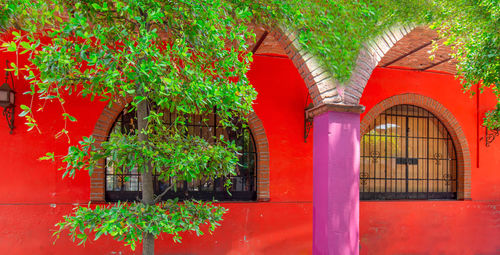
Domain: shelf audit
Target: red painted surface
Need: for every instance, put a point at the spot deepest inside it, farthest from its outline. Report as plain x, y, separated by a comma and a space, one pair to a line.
34, 198
437, 227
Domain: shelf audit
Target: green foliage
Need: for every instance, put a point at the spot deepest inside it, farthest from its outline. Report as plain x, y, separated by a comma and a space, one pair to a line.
186, 57
128, 221
335, 31
183, 158
190, 63
492, 119
83, 156
7, 10
190, 57
472, 29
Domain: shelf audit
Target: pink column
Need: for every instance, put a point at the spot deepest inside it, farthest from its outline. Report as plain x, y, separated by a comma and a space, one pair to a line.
336, 183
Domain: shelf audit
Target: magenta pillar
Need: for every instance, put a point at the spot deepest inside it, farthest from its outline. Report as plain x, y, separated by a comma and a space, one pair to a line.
336, 183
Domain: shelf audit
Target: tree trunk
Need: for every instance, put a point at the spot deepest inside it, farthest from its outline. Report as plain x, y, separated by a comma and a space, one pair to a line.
148, 241
148, 244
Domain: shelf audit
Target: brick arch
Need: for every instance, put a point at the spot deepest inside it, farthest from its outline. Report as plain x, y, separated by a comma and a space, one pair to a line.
101, 131
107, 119
368, 58
448, 120
262, 146
322, 87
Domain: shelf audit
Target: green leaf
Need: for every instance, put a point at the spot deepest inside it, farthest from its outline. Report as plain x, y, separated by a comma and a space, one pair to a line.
25, 45
11, 46
14, 68
96, 6
67, 116
48, 156
23, 113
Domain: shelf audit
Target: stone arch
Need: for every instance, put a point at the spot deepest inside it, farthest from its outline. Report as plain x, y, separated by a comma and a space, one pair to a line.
108, 117
449, 121
368, 59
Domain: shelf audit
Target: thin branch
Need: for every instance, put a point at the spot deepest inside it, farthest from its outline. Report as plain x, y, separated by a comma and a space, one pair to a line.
139, 199
158, 198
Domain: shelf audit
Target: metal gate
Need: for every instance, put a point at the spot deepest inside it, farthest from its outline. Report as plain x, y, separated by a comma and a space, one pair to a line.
407, 154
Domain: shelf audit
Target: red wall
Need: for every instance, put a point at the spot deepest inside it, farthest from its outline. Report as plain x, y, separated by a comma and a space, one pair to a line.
437, 227
34, 198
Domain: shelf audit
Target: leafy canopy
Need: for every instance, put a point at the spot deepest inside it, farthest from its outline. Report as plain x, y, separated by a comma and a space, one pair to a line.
191, 56
334, 31
188, 57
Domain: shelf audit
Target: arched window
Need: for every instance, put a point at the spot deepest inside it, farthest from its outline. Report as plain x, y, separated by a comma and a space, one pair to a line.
407, 153
127, 185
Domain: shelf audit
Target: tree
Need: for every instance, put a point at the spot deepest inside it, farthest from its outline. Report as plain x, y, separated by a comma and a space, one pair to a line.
190, 56
471, 28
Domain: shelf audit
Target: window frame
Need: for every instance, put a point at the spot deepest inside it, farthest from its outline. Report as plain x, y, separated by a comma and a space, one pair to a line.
184, 193
414, 164
449, 121
105, 123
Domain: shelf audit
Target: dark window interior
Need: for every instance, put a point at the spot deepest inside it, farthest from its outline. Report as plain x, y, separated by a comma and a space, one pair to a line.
127, 186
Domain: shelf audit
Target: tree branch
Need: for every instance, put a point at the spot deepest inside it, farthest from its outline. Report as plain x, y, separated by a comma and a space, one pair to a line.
158, 198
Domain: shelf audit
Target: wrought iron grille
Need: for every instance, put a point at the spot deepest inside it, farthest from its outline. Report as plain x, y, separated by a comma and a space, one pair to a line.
126, 186
407, 154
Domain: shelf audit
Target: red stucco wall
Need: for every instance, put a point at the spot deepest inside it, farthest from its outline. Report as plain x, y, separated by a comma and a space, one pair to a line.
34, 198
437, 227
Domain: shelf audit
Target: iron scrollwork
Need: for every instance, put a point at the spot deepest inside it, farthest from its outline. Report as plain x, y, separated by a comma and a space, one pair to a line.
375, 155
447, 179
438, 156
364, 176
8, 112
490, 136
308, 121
